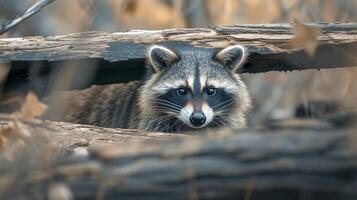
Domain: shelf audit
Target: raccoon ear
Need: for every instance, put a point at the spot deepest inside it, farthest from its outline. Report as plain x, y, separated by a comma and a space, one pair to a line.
160, 57
232, 57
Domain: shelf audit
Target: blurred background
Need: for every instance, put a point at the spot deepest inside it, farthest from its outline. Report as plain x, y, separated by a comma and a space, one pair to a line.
275, 94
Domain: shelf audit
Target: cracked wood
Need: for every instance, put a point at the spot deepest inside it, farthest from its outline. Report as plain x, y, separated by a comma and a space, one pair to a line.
269, 45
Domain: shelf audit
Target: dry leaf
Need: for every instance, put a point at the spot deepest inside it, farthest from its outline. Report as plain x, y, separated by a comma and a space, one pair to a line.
5, 131
12, 137
306, 37
32, 107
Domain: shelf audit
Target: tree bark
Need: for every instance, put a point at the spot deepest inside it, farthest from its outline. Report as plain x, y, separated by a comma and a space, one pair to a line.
294, 162
269, 45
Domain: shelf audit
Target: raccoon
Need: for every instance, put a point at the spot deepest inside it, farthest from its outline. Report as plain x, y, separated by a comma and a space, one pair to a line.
188, 88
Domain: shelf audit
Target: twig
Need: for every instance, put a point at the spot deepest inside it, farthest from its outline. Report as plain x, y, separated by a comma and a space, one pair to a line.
4, 27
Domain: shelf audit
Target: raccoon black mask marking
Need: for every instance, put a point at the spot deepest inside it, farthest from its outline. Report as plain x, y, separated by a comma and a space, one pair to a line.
192, 89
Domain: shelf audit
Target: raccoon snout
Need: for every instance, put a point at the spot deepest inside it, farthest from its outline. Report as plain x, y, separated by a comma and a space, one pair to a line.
198, 118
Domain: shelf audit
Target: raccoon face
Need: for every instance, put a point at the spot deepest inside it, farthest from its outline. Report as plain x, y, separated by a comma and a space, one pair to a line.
195, 87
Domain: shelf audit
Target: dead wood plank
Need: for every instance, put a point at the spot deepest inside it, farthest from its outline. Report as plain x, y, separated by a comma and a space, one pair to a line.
269, 45
315, 162
68, 136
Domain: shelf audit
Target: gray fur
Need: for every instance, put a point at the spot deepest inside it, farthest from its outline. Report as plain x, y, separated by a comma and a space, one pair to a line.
111, 106
190, 58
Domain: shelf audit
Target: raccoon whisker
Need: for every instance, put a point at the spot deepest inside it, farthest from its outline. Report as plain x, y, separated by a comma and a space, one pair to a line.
219, 115
164, 118
166, 110
225, 109
179, 124
175, 124
227, 104
165, 106
174, 100
169, 127
223, 112
223, 100
219, 100
224, 120
224, 103
169, 102
219, 123
156, 124
212, 124
162, 122
182, 125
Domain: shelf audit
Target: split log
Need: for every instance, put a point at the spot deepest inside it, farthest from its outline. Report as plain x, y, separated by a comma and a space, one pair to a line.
269, 45
317, 162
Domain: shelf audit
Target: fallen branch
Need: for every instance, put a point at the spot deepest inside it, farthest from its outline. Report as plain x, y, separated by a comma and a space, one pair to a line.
269, 44
31, 11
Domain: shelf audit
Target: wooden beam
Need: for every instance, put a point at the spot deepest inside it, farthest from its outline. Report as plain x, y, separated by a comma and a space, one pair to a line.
269, 45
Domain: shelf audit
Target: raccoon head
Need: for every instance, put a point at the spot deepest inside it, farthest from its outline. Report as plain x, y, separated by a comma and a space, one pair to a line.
193, 88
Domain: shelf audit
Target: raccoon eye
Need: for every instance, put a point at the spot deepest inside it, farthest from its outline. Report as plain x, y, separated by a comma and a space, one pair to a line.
181, 91
211, 91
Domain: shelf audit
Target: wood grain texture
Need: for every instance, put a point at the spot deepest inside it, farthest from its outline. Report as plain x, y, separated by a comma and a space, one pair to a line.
269, 45
68, 136
314, 161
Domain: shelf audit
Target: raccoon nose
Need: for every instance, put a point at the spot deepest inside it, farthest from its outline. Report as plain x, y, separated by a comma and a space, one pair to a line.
197, 118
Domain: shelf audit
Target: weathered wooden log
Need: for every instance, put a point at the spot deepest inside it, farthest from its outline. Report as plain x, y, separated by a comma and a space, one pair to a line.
67, 136
314, 161
269, 45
